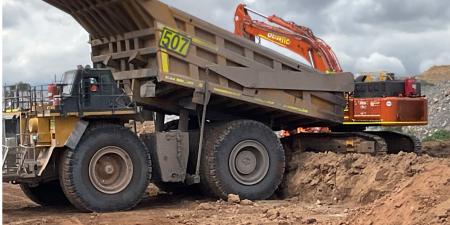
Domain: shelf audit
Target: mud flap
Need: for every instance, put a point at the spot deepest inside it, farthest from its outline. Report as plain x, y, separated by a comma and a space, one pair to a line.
76, 134
172, 153
44, 158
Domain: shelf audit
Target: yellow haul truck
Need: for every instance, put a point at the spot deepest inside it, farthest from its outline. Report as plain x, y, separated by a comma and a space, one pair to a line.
69, 141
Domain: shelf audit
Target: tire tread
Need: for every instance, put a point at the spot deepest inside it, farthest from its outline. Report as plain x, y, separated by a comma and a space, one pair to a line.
66, 169
210, 182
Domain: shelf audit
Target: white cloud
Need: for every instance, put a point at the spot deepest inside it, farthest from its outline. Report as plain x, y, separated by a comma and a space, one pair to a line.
43, 43
378, 62
345, 60
403, 36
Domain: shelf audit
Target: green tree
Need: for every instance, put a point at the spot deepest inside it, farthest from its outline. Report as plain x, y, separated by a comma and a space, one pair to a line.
19, 86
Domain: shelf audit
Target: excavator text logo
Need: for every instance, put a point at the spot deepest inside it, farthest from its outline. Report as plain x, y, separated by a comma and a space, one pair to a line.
279, 39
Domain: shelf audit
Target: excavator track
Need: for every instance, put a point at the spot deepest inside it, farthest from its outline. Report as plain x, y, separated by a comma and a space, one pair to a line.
339, 142
399, 142
370, 142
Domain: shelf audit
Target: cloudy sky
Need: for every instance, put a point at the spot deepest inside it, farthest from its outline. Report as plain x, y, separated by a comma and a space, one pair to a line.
403, 36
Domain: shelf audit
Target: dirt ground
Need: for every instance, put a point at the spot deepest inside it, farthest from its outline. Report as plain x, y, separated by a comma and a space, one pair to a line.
319, 188
171, 209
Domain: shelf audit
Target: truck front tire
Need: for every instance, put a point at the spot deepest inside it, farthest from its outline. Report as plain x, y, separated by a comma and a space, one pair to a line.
108, 171
242, 157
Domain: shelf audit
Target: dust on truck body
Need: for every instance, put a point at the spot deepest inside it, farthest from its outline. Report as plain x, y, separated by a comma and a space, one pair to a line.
229, 93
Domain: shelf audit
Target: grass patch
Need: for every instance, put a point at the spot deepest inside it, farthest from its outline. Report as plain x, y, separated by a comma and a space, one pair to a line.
440, 135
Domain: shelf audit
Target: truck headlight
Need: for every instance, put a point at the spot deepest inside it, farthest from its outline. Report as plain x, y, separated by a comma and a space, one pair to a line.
34, 137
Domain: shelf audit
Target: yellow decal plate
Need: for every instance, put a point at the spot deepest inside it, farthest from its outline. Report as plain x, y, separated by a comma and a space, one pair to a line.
175, 42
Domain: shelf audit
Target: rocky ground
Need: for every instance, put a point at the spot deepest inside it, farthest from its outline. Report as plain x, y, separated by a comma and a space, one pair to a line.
438, 95
319, 188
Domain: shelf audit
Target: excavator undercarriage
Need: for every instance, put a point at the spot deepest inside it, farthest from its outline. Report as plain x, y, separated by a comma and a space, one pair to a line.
367, 142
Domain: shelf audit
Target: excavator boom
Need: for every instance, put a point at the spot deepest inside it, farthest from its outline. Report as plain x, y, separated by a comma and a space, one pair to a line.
296, 38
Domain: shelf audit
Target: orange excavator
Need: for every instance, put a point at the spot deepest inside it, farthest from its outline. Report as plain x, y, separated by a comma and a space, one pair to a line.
375, 102
383, 102
298, 39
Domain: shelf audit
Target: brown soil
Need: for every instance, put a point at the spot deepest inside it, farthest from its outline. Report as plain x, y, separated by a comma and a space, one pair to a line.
319, 188
145, 127
172, 209
436, 74
437, 148
392, 189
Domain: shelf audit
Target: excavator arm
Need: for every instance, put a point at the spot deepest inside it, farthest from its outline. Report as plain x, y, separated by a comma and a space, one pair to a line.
299, 39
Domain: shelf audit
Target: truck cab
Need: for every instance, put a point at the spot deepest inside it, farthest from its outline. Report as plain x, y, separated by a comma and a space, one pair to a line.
39, 119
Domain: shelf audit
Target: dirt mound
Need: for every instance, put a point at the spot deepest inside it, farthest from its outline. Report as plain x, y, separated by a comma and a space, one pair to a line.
436, 74
402, 188
330, 177
440, 149
422, 200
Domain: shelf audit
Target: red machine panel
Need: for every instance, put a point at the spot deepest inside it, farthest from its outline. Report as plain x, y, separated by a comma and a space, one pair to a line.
388, 111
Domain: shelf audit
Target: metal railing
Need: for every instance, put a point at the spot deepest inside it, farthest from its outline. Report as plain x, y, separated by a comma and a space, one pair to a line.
15, 155
16, 98
37, 99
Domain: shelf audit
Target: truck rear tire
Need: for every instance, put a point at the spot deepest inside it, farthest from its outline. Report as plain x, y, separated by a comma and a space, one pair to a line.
242, 157
109, 170
46, 194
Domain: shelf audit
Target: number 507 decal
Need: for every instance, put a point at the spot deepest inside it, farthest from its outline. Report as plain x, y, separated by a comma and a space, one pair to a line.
175, 42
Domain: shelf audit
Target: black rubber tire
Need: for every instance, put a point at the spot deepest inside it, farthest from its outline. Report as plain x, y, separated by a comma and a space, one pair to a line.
216, 178
74, 175
171, 125
46, 194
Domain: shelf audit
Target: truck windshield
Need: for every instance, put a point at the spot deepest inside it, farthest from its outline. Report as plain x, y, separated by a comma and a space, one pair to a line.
68, 80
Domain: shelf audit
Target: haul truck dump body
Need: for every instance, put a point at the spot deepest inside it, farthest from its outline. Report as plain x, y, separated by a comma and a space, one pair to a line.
168, 58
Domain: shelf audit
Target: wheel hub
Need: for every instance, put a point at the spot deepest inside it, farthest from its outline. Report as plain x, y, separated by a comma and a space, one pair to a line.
249, 162
245, 162
110, 170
